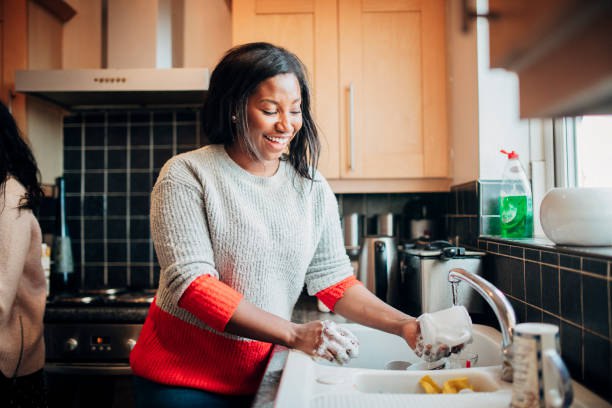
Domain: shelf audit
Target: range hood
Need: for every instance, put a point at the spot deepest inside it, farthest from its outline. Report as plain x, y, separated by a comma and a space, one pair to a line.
138, 62
77, 89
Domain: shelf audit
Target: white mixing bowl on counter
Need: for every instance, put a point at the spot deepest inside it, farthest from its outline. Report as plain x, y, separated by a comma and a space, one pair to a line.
578, 216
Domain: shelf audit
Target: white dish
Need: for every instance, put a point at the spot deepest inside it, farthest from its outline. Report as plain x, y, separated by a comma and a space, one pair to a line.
578, 216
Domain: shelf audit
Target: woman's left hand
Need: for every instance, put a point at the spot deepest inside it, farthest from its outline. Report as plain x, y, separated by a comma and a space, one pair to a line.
410, 332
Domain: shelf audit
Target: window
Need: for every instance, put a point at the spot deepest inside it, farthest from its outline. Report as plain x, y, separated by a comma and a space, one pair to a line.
593, 151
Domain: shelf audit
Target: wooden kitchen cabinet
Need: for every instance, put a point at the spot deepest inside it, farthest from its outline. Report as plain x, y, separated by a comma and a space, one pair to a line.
388, 58
561, 51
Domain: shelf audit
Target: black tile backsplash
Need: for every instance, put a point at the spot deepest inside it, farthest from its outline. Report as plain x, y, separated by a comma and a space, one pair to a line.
111, 160
570, 287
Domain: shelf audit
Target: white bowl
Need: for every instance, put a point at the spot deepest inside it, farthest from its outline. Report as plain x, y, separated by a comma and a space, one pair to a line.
578, 216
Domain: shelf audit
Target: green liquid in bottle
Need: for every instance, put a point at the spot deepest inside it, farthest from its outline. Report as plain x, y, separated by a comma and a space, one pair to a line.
516, 216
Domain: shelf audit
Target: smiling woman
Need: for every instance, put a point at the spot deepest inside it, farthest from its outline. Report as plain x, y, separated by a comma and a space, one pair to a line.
239, 227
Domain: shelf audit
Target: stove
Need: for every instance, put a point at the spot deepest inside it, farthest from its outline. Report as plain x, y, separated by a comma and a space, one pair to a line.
88, 337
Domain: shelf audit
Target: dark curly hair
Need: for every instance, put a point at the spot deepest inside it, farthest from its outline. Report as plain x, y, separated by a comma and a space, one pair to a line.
235, 78
17, 160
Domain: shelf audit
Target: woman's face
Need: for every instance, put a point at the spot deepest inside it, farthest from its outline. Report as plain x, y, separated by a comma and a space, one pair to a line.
274, 115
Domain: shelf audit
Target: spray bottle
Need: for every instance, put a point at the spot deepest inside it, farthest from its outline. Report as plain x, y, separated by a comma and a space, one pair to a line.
515, 202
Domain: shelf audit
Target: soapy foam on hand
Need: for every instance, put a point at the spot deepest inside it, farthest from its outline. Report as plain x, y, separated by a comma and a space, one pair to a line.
341, 343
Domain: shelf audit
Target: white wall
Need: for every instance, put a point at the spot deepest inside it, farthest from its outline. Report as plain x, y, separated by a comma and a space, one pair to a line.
498, 106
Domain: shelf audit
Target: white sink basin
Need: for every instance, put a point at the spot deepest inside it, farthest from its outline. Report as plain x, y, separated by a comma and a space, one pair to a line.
364, 383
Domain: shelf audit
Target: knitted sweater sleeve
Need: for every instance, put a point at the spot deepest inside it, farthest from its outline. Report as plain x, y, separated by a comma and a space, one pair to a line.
330, 264
184, 250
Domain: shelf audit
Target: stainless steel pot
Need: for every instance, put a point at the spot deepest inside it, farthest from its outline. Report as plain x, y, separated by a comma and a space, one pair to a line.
379, 266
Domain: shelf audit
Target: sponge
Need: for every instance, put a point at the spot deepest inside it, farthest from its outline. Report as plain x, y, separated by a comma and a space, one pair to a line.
452, 386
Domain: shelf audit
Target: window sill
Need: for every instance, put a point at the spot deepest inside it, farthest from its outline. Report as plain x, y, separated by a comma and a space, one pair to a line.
545, 244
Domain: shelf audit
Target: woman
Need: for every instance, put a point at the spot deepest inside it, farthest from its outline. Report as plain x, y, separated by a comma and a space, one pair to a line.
239, 226
22, 279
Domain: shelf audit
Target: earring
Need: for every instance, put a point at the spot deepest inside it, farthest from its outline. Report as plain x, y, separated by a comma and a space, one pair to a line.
234, 118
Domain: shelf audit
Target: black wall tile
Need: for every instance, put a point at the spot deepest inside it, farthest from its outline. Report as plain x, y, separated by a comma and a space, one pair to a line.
596, 307
597, 361
72, 182
533, 315
117, 117
140, 158
140, 136
550, 289
186, 135
518, 280
117, 160
116, 206
117, 182
93, 206
117, 251
93, 229
162, 135
532, 255
139, 205
568, 261
550, 258
117, 276
571, 349
517, 252
139, 228
94, 277
72, 159
140, 117
94, 136
94, 160
94, 182
140, 277
117, 136
94, 252
72, 136
140, 182
139, 252
161, 156
595, 266
116, 229
533, 285
571, 305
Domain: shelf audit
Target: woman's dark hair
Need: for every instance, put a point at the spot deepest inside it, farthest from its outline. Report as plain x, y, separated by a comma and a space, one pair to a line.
17, 160
235, 78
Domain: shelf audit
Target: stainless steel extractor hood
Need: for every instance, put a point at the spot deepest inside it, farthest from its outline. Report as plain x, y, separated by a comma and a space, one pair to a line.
115, 88
138, 57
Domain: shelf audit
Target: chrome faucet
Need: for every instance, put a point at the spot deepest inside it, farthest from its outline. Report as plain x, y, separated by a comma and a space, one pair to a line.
500, 305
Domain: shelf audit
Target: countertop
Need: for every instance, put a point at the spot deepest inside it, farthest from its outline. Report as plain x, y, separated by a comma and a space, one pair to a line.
305, 311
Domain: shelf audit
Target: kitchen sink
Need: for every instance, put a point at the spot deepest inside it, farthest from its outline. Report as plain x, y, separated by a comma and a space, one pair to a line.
365, 383
377, 349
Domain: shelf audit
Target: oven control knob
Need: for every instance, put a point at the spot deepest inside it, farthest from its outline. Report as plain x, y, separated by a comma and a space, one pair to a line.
71, 344
131, 343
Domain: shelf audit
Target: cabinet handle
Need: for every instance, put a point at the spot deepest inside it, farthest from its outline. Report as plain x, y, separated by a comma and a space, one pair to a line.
350, 128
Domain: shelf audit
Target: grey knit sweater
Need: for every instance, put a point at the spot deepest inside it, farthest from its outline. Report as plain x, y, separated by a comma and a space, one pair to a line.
263, 236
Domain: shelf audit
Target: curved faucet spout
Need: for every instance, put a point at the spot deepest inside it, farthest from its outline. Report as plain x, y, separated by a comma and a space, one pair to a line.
501, 307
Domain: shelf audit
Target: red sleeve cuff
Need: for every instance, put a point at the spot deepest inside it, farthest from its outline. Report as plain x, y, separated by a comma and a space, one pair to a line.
211, 301
329, 296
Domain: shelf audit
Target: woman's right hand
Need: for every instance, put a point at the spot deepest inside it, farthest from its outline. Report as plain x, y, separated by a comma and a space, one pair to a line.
327, 340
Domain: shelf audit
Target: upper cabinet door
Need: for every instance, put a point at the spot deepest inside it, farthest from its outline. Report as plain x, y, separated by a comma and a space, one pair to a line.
307, 28
561, 51
392, 89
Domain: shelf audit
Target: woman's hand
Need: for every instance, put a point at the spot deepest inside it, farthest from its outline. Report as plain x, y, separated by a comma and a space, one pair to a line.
411, 331
327, 340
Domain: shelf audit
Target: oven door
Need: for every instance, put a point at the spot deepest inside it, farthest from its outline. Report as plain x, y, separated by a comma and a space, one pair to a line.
89, 385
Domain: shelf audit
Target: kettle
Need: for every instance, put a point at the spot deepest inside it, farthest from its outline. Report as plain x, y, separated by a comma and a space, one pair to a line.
378, 267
